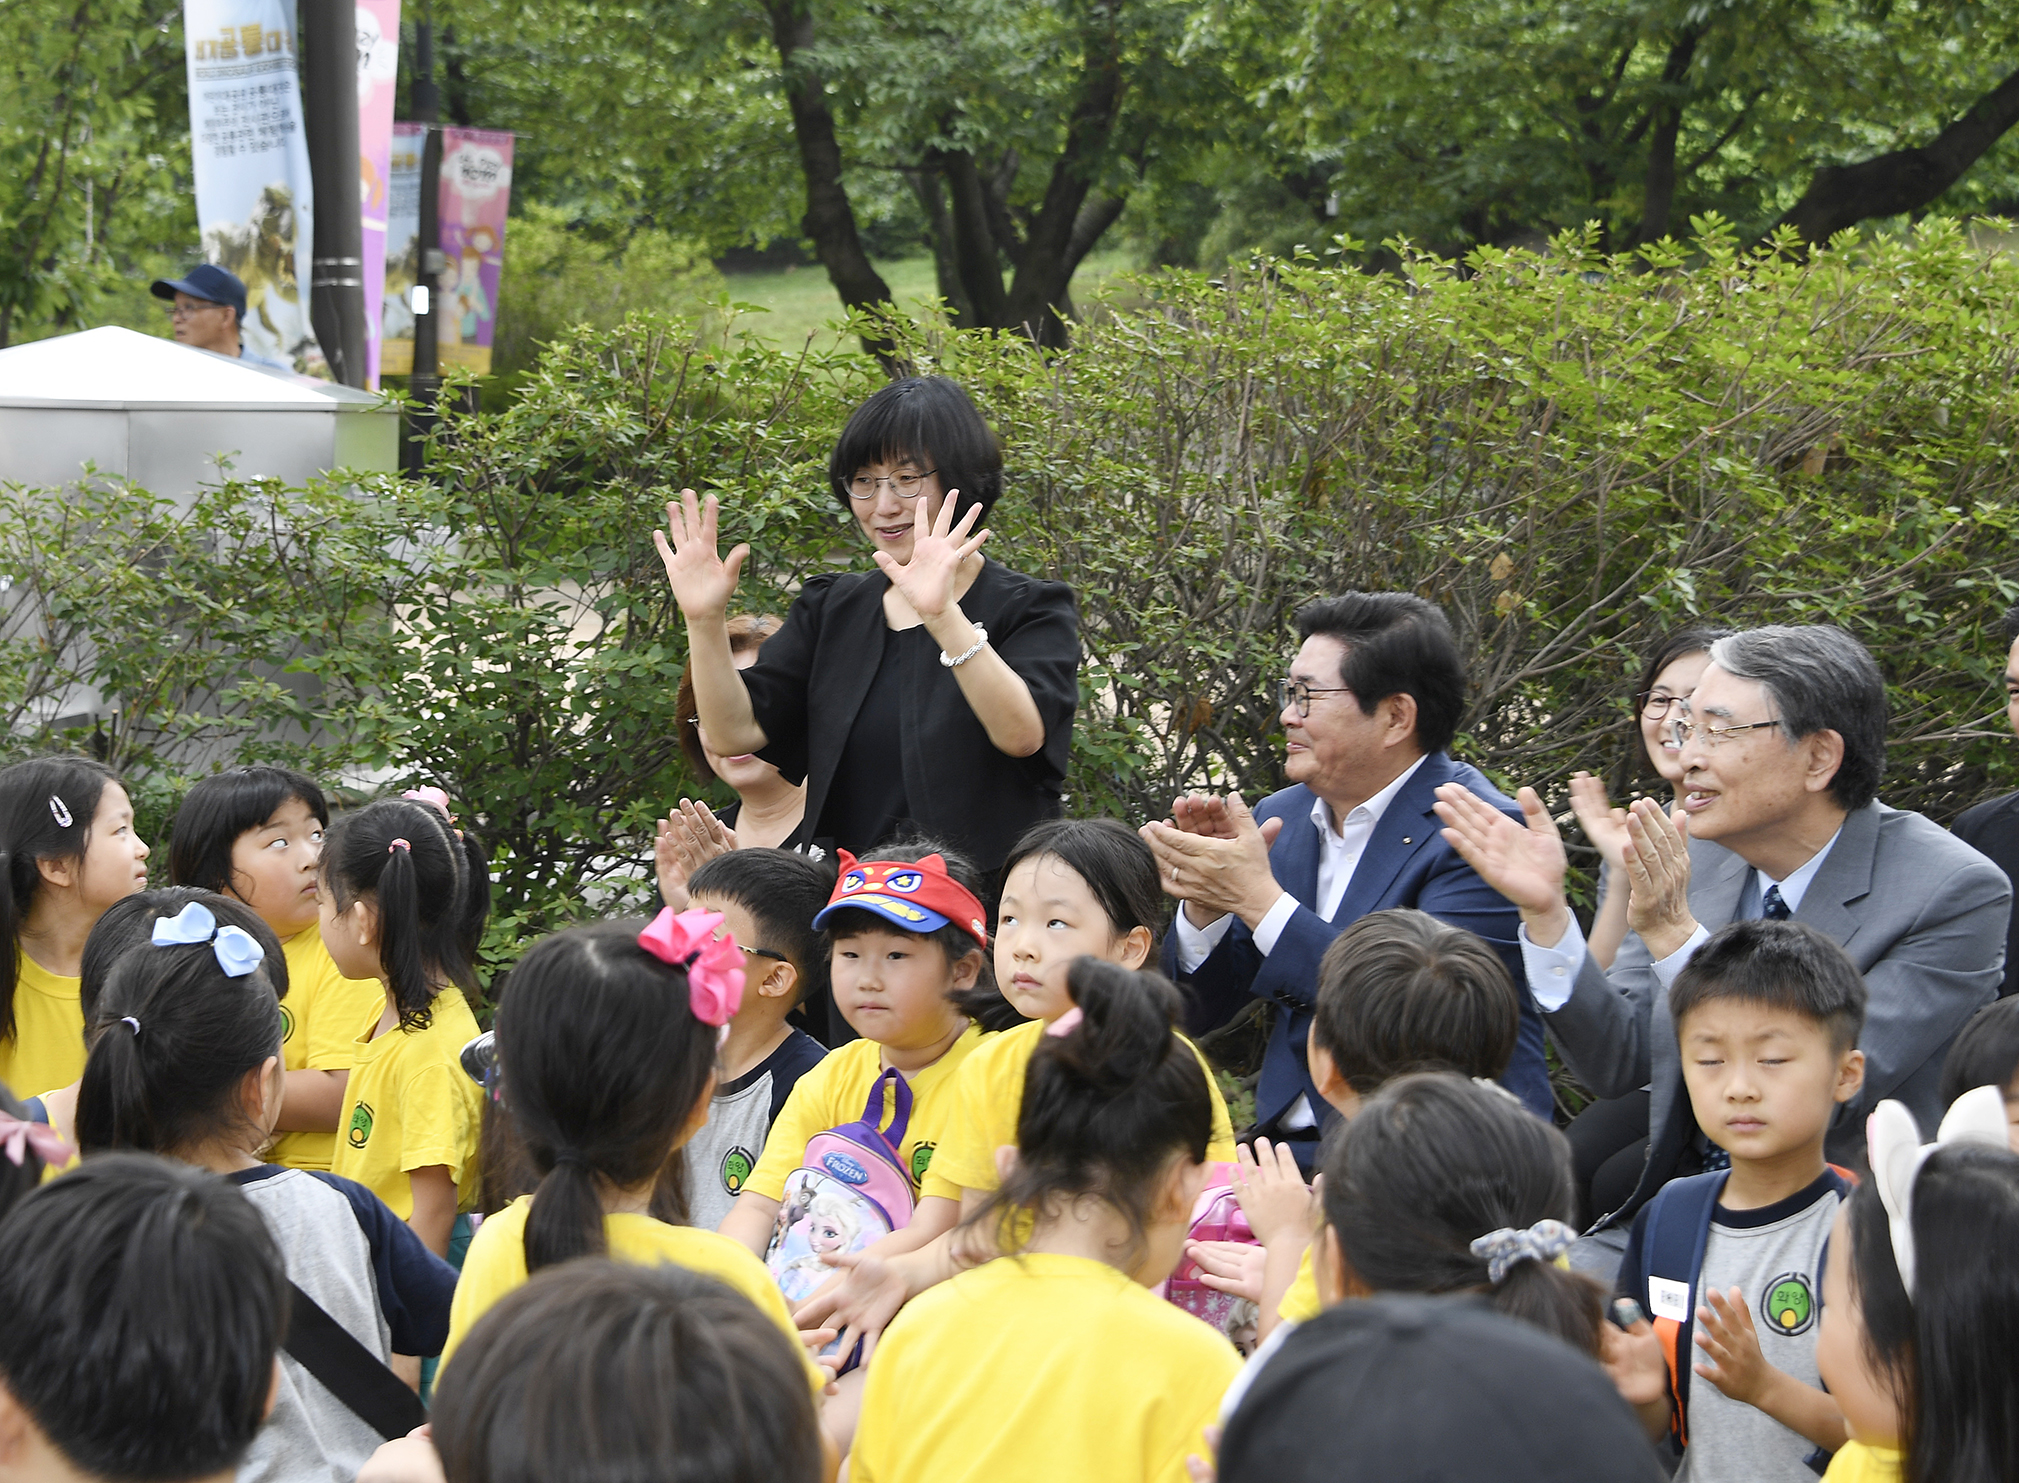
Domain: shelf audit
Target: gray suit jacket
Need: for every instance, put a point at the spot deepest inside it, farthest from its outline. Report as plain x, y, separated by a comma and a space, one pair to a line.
1921, 914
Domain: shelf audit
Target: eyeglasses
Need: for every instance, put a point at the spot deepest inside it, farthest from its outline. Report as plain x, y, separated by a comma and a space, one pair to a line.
759, 952
1655, 707
865, 486
1714, 736
1295, 695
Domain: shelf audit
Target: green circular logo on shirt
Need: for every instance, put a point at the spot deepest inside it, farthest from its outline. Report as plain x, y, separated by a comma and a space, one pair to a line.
1789, 1306
920, 1157
286, 1025
737, 1165
361, 1125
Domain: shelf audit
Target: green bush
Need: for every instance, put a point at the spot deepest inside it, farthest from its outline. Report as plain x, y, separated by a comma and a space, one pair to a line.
1570, 453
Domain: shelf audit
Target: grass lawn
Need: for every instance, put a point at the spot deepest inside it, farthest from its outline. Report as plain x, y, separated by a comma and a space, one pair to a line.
801, 302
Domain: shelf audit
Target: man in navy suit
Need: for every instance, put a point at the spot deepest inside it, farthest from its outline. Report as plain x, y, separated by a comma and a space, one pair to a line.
1373, 698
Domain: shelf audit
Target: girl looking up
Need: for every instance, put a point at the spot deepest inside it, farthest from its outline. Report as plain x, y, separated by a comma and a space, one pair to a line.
68, 850
256, 833
1055, 1359
606, 1041
403, 899
185, 1062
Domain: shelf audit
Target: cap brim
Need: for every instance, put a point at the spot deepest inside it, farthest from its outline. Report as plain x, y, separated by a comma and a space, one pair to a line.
893, 909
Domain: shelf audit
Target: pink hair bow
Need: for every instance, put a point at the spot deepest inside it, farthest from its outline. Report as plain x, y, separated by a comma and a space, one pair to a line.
17, 1137
433, 797
714, 964
1066, 1023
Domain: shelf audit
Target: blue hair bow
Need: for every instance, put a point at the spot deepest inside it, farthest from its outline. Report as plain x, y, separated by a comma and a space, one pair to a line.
238, 951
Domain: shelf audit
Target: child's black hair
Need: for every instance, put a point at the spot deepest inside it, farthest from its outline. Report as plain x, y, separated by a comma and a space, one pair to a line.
144, 1304
598, 1371
129, 922
1985, 1052
1400, 991
172, 1037
1105, 1106
1112, 859
16, 1180
932, 421
219, 808
984, 1003
1435, 1161
1779, 965
1958, 1402
783, 891
431, 889
46, 808
604, 1062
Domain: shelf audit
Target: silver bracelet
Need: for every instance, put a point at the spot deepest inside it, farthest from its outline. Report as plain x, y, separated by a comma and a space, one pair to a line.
980, 643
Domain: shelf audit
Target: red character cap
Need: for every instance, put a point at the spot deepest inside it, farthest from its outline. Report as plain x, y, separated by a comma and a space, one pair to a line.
914, 895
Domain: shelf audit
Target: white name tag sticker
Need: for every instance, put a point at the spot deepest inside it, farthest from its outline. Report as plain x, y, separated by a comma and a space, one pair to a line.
1671, 1299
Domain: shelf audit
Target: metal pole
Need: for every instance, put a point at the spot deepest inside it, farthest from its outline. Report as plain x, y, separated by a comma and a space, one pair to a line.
337, 291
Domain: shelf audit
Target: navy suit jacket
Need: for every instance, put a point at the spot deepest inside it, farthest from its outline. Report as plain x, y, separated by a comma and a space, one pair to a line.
1406, 863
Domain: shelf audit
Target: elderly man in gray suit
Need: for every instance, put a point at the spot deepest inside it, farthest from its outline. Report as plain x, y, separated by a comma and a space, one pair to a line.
1783, 747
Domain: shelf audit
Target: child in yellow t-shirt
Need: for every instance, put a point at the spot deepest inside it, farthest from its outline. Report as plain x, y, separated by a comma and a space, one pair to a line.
68, 850
256, 833
607, 1041
402, 898
1055, 1359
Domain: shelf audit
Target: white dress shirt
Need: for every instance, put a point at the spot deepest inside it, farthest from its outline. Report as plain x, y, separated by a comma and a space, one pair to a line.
1552, 971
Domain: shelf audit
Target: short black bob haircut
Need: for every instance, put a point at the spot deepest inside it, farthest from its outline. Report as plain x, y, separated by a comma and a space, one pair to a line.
932, 421
144, 1303
1985, 1052
783, 891
1781, 965
1396, 644
220, 808
595, 1370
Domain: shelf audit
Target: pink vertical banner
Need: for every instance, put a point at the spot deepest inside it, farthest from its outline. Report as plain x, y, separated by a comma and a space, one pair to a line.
476, 193
378, 23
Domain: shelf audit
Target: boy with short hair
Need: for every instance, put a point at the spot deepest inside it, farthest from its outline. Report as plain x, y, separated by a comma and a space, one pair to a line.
768, 900
1728, 1263
1398, 991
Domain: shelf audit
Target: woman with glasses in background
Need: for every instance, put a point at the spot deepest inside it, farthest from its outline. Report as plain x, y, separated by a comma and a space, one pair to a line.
1608, 1139
933, 694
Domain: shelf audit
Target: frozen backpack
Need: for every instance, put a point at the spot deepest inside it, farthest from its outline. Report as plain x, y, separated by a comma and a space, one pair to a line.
850, 1190
1216, 1216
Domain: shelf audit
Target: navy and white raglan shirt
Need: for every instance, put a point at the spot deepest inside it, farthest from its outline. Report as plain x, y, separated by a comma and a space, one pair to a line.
1774, 1256
366, 1268
721, 1156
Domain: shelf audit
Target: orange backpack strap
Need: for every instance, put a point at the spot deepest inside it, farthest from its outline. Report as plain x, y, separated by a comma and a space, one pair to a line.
1672, 1337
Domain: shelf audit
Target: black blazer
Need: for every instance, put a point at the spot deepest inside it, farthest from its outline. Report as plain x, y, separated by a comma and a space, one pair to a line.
811, 676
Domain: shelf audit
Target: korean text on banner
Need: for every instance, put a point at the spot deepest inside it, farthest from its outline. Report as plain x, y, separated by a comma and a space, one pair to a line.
254, 204
378, 24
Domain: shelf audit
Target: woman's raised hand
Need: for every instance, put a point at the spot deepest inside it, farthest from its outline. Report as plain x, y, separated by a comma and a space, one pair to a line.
702, 581
938, 547
1604, 825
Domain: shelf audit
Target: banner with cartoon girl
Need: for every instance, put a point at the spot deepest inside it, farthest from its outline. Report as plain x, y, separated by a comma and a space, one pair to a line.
476, 193
378, 23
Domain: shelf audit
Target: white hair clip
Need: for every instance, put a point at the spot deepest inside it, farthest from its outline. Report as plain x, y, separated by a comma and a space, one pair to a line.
60, 811
1894, 1140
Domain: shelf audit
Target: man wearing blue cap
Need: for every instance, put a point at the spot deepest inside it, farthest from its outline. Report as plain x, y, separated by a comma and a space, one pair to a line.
207, 307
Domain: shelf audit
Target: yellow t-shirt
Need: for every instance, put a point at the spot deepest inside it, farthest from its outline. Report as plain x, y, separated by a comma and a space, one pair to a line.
988, 1095
1856, 1462
836, 1091
409, 1106
1300, 1303
321, 1016
46, 1050
497, 1263
1040, 1366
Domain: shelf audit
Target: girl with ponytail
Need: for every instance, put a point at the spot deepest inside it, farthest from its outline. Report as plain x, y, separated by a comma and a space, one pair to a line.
185, 1062
403, 896
68, 850
606, 1039
1053, 1357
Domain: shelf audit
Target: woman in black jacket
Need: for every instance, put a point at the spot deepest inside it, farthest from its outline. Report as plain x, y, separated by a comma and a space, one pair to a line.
933, 695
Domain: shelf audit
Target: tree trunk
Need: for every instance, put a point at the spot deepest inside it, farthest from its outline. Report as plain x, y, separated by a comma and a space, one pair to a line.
1045, 269
925, 185
829, 219
1658, 191
974, 242
1841, 196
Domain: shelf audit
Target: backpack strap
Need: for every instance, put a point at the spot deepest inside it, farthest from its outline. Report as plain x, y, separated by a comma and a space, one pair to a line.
348, 1370
1672, 1250
900, 1102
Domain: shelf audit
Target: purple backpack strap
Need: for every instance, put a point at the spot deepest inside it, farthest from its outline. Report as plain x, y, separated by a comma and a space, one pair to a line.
900, 1121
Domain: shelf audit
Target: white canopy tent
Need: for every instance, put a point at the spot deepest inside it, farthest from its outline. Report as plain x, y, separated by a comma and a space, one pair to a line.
162, 414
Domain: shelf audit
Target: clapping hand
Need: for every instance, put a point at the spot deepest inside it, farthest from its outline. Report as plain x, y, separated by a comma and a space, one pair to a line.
1524, 862
1217, 860
1658, 873
689, 837
1603, 825
702, 582
938, 547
